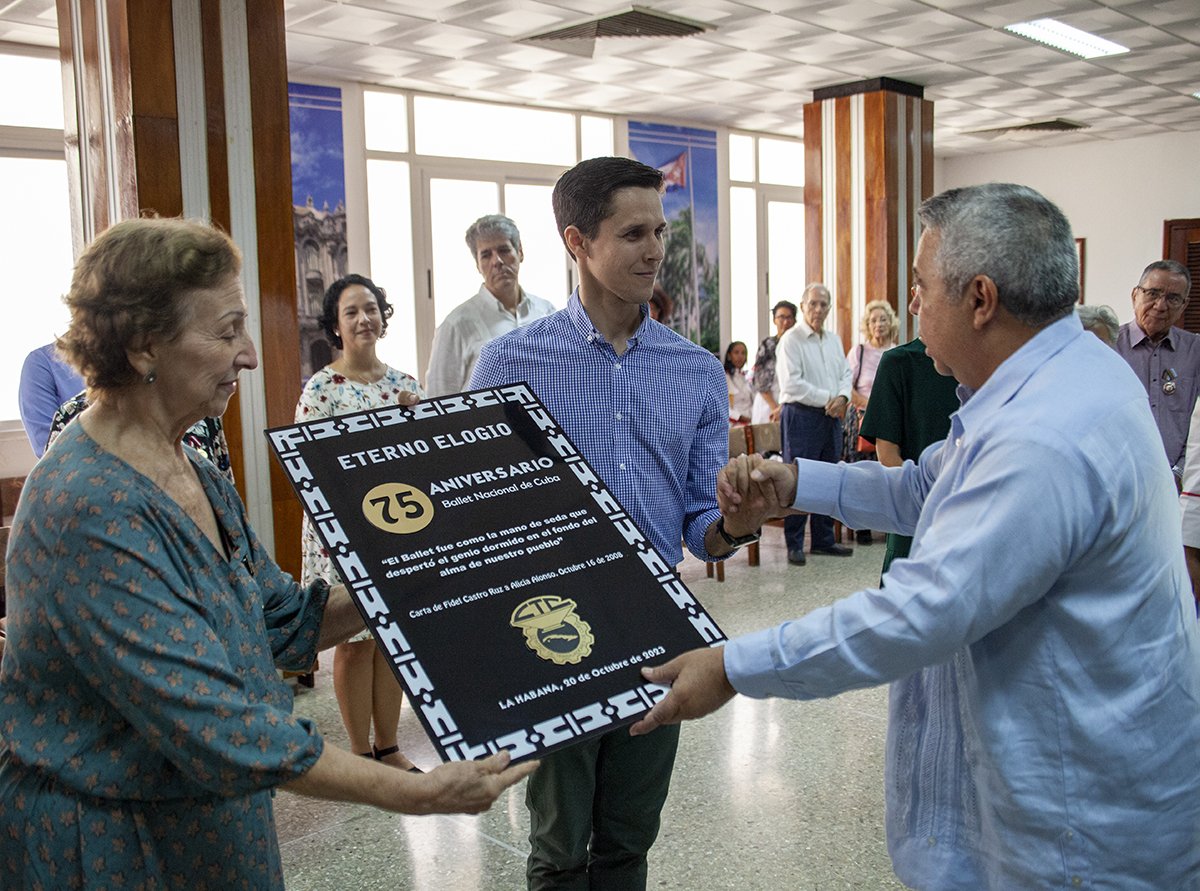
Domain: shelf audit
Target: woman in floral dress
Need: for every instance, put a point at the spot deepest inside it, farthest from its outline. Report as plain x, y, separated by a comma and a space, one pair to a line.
355, 317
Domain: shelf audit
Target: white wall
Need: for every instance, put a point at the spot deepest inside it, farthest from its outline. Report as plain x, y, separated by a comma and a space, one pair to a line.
1116, 195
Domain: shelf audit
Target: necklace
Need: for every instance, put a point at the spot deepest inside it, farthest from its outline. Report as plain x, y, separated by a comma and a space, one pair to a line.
361, 378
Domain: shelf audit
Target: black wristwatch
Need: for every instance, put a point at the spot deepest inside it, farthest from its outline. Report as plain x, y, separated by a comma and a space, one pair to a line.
736, 541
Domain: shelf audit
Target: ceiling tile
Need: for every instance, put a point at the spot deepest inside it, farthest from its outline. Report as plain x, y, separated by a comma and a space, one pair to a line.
757, 67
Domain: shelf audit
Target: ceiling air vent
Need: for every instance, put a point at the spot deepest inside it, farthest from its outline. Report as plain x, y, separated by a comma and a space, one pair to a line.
1057, 125
635, 21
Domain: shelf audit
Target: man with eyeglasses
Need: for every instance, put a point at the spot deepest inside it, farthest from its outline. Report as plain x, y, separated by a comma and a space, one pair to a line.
766, 396
1165, 358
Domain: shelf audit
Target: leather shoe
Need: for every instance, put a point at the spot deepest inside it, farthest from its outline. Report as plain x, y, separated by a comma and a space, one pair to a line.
797, 558
834, 550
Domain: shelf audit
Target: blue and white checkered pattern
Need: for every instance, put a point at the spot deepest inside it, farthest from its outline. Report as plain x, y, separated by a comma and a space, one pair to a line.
652, 422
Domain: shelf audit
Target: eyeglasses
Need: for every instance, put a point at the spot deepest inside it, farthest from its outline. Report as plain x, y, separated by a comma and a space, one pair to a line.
1153, 295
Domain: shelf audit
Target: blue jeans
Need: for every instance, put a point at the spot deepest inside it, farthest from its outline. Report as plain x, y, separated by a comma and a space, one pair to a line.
809, 433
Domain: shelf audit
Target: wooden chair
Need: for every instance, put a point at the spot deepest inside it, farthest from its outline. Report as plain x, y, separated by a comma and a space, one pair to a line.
745, 441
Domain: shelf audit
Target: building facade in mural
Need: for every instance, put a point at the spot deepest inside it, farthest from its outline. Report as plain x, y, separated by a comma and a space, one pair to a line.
318, 211
320, 260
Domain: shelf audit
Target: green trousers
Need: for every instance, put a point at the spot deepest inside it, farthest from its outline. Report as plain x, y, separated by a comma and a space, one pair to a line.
594, 811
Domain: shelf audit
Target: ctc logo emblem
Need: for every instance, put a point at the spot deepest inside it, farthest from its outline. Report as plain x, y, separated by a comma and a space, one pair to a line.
553, 630
398, 508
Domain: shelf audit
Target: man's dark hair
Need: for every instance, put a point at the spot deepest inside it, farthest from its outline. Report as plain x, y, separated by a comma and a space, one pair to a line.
785, 304
333, 296
583, 195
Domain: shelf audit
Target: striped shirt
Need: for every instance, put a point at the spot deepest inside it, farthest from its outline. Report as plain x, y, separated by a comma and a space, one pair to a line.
653, 422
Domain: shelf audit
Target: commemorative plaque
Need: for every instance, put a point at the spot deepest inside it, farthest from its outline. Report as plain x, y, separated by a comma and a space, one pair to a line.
515, 598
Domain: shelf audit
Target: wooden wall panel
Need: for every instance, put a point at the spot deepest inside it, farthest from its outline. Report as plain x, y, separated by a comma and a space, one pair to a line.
896, 166
276, 253
813, 193
875, 164
843, 231
155, 115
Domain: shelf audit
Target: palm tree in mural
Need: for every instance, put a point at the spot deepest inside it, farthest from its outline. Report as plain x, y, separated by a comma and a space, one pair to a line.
696, 315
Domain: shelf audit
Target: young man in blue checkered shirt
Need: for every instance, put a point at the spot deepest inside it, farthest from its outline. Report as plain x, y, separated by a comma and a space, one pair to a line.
649, 410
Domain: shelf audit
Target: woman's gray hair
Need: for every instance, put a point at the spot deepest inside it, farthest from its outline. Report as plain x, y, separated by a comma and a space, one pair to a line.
1014, 236
1100, 319
492, 224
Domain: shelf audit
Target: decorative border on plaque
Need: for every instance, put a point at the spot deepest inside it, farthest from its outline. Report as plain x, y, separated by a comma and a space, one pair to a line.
530, 740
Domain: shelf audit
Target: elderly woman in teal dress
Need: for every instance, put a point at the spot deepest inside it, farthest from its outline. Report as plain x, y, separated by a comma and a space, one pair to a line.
144, 728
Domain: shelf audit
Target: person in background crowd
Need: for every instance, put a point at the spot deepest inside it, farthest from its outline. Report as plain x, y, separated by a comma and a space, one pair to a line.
145, 726
355, 317
910, 409
814, 389
1165, 358
766, 385
206, 437
880, 330
1189, 502
741, 397
1041, 634
501, 305
1101, 321
46, 383
604, 369
662, 307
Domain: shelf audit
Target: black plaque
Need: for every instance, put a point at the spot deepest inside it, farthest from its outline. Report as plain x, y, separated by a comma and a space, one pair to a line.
515, 597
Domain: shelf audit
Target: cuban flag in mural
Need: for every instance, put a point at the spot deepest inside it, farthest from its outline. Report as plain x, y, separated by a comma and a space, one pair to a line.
675, 172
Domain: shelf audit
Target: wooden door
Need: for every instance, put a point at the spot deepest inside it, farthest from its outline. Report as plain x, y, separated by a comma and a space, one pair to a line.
1181, 241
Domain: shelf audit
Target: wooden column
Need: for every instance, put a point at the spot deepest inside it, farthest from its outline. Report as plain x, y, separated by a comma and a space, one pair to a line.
868, 165
170, 112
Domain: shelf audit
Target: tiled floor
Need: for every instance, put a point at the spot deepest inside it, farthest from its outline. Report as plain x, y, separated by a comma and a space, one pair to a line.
766, 794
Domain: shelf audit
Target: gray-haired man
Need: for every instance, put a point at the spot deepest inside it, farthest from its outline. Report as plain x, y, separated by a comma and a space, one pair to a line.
501, 305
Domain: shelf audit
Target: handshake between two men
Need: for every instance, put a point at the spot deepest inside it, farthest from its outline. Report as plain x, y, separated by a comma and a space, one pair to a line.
752, 489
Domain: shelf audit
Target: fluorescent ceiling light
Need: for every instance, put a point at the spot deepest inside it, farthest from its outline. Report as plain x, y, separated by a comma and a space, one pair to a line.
1068, 39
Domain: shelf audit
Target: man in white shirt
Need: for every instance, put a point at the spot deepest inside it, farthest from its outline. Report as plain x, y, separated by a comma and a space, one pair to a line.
814, 390
1189, 500
500, 306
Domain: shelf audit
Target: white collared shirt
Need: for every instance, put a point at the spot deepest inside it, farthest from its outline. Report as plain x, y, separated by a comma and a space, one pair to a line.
470, 325
810, 367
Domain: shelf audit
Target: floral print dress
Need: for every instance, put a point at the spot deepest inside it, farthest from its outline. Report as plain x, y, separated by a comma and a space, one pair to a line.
143, 726
327, 394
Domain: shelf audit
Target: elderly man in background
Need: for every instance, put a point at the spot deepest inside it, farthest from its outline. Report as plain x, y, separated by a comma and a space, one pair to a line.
1165, 358
814, 390
501, 305
1045, 653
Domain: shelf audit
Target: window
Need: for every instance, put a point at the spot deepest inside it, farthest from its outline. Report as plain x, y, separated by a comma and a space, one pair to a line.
35, 178
766, 224
453, 128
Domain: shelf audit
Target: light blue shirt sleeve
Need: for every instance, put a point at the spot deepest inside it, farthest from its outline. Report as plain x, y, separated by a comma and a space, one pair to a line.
46, 383
948, 594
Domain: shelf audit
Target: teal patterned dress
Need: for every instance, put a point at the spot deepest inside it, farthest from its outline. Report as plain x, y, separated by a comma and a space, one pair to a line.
143, 726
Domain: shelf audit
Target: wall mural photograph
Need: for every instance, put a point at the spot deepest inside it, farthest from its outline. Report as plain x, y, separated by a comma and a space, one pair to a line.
318, 211
687, 156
